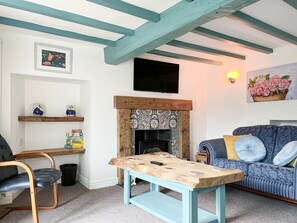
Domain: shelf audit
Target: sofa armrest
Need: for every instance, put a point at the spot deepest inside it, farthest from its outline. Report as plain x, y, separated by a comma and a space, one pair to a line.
214, 148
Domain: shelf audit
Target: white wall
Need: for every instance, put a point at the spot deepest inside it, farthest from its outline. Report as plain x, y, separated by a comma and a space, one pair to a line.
100, 83
227, 108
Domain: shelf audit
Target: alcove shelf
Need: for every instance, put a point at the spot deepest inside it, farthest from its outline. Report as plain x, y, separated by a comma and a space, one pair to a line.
50, 119
52, 152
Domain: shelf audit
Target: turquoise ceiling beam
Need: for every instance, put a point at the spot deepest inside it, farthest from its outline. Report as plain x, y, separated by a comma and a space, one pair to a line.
204, 49
263, 27
185, 57
230, 39
67, 16
129, 9
175, 21
292, 3
58, 32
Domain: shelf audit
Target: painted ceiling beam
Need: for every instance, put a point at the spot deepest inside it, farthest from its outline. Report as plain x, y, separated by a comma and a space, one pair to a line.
175, 21
129, 9
230, 39
292, 3
67, 16
58, 32
263, 27
204, 49
185, 57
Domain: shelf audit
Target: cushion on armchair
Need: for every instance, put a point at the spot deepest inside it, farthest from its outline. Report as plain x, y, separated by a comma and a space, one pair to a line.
229, 142
286, 155
250, 148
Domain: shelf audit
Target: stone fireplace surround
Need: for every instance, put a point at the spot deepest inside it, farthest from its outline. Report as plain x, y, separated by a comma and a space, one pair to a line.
125, 106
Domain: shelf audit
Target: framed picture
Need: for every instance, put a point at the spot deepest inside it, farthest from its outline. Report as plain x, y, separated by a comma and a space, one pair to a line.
272, 84
53, 58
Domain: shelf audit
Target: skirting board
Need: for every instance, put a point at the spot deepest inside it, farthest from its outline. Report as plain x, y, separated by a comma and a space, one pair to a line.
97, 184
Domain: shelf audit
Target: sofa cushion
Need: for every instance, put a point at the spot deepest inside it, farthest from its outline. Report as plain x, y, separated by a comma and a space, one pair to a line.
293, 163
284, 135
286, 155
271, 173
229, 142
266, 133
232, 164
250, 148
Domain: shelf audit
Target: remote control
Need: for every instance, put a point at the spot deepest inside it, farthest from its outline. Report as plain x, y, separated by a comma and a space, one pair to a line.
156, 163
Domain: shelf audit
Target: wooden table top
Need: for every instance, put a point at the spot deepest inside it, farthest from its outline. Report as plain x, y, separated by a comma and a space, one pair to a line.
192, 174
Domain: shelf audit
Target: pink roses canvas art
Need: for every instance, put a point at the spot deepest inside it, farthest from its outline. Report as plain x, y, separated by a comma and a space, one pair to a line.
272, 84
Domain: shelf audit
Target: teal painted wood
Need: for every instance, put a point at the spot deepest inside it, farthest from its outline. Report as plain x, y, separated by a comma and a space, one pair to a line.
264, 27
221, 203
154, 187
190, 207
67, 16
225, 38
127, 186
175, 21
58, 32
191, 46
292, 3
168, 208
129, 8
185, 57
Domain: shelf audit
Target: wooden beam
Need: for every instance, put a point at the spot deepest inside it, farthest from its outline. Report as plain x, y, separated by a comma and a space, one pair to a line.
263, 27
50, 119
67, 16
204, 49
58, 32
292, 3
175, 21
28, 154
184, 134
185, 57
124, 144
129, 8
230, 39
125, 102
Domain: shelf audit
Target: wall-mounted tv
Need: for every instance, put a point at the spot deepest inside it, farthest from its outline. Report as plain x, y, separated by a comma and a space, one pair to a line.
155, 76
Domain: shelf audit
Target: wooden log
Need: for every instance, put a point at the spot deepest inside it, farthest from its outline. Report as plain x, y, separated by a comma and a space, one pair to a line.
124, 102
124, 148
192, 174
184, 135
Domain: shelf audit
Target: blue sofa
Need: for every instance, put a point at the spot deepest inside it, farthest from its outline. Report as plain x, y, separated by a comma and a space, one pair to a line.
261, 177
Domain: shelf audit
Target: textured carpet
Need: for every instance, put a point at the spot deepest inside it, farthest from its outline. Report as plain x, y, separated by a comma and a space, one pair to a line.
79, 205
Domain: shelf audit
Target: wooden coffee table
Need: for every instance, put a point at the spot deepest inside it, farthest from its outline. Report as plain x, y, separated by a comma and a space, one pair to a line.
186, 177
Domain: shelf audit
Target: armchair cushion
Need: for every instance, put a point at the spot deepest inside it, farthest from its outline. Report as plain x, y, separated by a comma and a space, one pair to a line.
270, 172
43, 178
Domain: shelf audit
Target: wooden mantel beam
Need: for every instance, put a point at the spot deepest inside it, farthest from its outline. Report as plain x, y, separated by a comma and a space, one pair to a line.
125, 102
175, 21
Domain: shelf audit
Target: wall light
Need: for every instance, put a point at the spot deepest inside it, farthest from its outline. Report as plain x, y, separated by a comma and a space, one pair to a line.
232, 76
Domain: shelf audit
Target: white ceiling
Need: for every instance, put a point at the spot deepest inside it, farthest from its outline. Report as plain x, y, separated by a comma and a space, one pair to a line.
274, 12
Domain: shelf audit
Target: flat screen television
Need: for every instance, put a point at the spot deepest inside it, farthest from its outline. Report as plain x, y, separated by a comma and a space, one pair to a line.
155, 76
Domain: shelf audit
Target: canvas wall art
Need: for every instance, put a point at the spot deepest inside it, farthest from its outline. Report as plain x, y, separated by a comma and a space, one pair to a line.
53, 58
272, 84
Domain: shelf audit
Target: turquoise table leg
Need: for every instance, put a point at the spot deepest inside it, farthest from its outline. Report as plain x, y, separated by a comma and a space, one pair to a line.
127, 186
154, 187
221, 203
190, 207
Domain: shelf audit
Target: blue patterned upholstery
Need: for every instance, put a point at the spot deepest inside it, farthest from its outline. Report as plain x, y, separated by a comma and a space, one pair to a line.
262, 176
232, 164
266, 133
271, 172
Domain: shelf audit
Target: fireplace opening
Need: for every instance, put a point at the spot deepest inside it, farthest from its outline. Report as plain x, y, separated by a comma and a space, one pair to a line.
148, 141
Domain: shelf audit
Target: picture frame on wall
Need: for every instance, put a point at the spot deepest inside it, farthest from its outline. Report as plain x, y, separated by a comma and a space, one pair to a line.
53, 58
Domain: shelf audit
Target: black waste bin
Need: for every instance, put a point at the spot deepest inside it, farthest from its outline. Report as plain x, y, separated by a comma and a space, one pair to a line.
68, 174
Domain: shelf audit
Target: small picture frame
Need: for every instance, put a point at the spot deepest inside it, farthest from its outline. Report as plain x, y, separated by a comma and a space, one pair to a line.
53, 58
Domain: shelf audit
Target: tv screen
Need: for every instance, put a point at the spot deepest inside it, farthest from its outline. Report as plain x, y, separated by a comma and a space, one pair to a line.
155, 76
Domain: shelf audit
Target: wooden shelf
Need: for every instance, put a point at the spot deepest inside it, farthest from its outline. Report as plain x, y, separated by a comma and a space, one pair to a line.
52, 152
50, 119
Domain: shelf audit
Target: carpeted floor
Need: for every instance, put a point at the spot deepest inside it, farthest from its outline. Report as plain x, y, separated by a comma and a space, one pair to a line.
79, 205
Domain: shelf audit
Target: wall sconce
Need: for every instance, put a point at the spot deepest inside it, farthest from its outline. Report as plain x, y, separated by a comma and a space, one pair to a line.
232, 76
